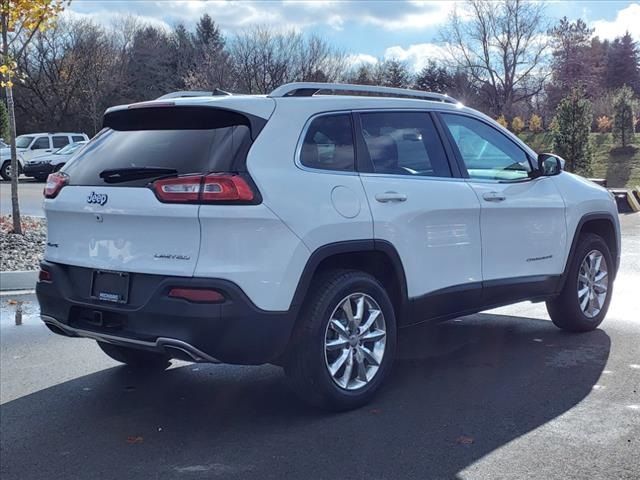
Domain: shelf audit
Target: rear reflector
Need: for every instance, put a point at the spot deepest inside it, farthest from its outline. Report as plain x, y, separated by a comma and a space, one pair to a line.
44, 276
54, 184
197, 295
217, 187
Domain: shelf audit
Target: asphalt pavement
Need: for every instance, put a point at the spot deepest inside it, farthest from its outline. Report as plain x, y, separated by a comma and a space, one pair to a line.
29, 197
497, 395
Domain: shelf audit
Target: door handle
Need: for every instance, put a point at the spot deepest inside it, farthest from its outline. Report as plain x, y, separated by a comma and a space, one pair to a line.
494, 197
387, 197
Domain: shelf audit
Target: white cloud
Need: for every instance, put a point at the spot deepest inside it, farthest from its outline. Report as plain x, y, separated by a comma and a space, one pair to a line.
418, 55
358, 59
424, 14
627, 19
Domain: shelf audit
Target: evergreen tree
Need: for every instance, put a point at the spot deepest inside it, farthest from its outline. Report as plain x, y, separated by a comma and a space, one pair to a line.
623, 119
571, 127
396, 74
571, 63
434, 78
208, 33
623, 64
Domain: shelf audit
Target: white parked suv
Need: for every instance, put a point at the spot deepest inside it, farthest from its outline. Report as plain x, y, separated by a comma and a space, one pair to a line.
305, 227
34, 145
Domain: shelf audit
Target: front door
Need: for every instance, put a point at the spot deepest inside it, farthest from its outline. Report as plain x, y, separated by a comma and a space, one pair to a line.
522, 218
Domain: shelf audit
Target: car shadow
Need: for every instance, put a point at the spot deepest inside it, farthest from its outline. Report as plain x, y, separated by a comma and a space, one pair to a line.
459, 391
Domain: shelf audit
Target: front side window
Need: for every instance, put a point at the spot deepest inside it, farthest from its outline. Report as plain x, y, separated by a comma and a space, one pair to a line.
328, 143
78, 138
404, 143
487, 153
40, 143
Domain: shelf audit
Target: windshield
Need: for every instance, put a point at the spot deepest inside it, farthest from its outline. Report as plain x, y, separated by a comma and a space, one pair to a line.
23, 141
69, 149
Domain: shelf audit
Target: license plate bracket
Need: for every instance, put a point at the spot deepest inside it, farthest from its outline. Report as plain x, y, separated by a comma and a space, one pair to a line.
112, 287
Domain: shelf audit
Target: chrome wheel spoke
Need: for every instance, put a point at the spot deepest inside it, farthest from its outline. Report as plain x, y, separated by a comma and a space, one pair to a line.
373, 315
340, 329
600, 276
369, 356
337, 365
359, 311
348, 369
373, 336
362, 369
583, 292
337, 344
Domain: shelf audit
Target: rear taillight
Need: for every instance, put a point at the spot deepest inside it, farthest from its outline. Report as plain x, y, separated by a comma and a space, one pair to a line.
54, 184
213, 188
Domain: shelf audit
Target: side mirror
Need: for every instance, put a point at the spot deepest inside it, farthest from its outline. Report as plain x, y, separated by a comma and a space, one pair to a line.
549, 164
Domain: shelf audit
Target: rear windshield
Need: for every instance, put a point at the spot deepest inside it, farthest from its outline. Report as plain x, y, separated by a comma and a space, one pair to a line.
189, 140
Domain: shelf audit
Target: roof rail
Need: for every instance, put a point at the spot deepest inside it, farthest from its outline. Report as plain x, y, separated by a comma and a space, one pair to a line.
304, 89
194, 93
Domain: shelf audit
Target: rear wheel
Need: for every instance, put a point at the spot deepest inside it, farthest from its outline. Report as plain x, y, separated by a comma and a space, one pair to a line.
585, 297
344, 342
41, 178
138, 359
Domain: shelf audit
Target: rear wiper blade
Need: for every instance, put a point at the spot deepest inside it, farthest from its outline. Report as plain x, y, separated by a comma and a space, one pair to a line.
117, 175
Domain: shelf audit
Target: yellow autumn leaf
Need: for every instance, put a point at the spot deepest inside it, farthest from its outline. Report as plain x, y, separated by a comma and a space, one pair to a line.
4, 69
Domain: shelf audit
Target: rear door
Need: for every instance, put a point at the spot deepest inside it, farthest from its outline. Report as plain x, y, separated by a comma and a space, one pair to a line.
522, 218
430, 217
116, 221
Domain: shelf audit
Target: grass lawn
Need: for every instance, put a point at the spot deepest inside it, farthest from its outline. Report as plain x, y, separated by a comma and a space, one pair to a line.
620, 166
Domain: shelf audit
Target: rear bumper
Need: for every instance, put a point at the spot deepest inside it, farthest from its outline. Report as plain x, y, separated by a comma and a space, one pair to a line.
235, 331
37, 169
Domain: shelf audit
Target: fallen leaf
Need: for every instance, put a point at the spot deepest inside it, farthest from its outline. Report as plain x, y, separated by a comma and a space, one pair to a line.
131, 439
12, 302
375, 411
464, 440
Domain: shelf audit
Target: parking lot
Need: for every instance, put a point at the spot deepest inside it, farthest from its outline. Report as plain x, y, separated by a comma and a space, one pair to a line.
29, 195
501, 394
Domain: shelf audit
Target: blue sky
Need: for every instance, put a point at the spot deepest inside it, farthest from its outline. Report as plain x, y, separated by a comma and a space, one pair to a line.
405, 29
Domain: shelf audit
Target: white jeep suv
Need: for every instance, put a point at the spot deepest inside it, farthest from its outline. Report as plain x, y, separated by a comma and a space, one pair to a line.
305, 227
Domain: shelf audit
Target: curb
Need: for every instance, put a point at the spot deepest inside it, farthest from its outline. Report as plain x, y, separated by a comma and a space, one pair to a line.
21, 280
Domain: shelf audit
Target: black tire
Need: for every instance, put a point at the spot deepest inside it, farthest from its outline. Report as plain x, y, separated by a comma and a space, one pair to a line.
565, 310
138, 359
58, 167
41, 178
306, 366
6, 165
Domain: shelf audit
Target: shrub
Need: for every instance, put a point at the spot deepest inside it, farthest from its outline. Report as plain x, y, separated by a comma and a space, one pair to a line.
535, 123
623, 116
502, 121
604, 124
4, 122
572, 124
517, 125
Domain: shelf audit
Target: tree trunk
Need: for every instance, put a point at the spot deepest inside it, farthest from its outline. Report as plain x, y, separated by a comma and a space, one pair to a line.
15, 171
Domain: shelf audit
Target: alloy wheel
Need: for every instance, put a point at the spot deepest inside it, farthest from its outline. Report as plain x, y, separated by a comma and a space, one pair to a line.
593, 283
355, 341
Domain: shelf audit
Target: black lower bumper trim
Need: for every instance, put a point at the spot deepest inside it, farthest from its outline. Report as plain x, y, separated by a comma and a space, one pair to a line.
235, 331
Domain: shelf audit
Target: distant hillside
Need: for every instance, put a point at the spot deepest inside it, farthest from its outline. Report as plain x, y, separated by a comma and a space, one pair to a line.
620, 166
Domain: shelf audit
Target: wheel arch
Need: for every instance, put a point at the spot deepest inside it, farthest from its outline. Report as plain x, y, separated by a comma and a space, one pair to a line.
602, 224
379, 258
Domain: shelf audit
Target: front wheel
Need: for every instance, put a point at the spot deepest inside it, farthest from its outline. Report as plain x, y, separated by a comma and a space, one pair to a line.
5, 170
344, 342
585, 297
137, 359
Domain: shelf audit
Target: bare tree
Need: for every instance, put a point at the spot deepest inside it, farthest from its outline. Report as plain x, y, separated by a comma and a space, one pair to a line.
501, 45
264, 59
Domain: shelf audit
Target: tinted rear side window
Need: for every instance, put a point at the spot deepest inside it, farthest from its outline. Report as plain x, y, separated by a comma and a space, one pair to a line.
78, 138
328, 143
60, 141
189, 140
